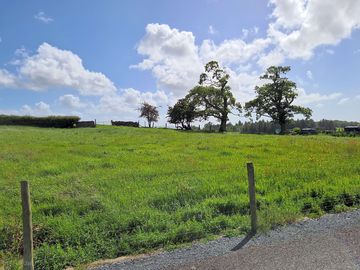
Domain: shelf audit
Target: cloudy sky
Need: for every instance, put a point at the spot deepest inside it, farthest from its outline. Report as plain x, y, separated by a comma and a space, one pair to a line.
101, 59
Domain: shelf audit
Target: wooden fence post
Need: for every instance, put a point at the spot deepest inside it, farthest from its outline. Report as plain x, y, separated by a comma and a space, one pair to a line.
251, 179
28, 260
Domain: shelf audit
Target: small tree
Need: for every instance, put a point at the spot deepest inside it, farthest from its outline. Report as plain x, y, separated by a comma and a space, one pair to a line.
275, 99
213, 94
149, 112
183, 113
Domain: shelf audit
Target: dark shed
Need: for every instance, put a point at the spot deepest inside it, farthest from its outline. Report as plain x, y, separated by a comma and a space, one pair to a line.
308, 131
352, 129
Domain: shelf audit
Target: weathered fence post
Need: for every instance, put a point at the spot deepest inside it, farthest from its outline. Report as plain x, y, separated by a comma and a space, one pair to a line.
251, 179
28, 260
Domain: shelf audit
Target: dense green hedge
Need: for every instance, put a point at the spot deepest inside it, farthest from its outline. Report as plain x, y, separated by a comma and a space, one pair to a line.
49, 121
125, 123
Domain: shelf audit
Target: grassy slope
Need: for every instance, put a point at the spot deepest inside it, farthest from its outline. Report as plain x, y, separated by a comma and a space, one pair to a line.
111, 191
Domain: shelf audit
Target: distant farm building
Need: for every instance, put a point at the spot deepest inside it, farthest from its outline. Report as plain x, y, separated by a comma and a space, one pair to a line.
352, 129
82, 124
308, 131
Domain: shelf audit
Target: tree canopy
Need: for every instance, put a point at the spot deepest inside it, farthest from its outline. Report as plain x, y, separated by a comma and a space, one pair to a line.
183, 113
275, 99
149, 112
213, 96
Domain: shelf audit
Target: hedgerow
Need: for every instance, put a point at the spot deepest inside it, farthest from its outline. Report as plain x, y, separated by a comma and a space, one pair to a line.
48, 121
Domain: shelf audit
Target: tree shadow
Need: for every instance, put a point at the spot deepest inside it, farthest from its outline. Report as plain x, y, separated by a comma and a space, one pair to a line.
244, 241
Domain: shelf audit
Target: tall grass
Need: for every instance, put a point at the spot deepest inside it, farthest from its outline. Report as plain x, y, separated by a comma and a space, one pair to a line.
112, 191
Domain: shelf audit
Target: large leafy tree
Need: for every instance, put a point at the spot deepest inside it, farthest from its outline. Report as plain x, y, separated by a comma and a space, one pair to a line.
149, 112
183, 113
213, 94
275, 99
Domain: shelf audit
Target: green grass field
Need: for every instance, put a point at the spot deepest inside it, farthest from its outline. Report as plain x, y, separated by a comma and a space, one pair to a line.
111, 191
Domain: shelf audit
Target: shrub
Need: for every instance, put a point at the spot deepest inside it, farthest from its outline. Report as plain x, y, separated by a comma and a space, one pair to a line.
296, 131
48, 121
310, 207
329, 202
347, 199
125, 123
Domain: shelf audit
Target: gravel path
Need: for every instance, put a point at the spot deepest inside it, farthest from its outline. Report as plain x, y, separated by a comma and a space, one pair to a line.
330, 242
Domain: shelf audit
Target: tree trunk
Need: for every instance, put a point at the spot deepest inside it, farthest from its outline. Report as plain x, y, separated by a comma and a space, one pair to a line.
223, 124
282, 128
224, 116
149, 123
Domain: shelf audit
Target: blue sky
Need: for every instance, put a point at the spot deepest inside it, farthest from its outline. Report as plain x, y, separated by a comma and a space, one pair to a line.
100, 59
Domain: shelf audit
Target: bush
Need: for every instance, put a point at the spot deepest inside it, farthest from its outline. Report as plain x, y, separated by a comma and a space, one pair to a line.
296, 131
48, 121
329, 202
125, 123
311, 208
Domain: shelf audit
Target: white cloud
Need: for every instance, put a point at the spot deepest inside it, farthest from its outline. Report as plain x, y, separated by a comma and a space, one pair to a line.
128, 101
41, 16
273, 58
134, 97
329, 51
243, 85
20, 55
71, 102
251, 31
122, 105
172, 56
358, 97
309, 75
176, 61
235, 51
7, 79
170, 52
40, 109
51, 68
288, 13
305, 98
212, 30
302, 25
245, 32
343, 101
22, 52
